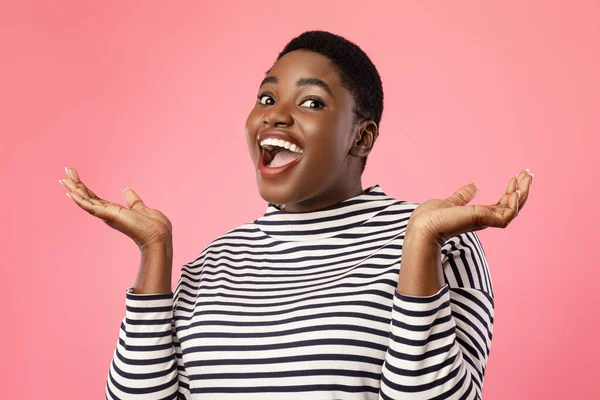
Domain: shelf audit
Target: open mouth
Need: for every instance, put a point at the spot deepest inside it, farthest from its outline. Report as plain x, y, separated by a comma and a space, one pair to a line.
277, 152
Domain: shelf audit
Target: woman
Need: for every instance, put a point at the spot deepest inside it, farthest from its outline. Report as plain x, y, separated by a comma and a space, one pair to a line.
335, 292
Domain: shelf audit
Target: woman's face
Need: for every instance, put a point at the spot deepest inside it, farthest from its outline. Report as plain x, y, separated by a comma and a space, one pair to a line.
302, 102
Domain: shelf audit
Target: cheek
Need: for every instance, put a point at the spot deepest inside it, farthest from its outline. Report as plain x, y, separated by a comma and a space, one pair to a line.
251, 127
327, 140
248, 140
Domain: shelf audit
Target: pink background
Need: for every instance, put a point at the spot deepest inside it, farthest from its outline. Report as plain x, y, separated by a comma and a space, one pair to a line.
155, 97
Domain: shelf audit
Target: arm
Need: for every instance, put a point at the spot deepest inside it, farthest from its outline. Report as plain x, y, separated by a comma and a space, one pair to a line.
147, 360
440, 342
443, 312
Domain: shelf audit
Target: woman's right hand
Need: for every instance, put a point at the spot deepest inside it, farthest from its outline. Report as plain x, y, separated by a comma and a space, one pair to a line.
146, 226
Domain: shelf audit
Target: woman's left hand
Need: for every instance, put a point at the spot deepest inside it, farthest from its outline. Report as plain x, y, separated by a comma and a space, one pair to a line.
439, 220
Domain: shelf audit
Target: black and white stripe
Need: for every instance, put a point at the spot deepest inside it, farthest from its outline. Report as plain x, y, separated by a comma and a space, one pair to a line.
305, 306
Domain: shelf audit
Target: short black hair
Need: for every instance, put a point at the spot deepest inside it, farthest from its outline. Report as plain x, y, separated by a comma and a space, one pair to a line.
357, 72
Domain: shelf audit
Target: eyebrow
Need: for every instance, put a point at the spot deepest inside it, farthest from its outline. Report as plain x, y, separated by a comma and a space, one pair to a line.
302, 82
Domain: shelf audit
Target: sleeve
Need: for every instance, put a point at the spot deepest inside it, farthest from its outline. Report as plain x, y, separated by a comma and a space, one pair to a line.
439, 345
147, 361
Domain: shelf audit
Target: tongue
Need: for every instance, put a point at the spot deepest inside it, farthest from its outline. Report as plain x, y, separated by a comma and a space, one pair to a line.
283, 157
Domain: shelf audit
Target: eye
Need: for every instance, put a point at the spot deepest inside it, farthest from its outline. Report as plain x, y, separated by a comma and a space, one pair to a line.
265, 99
312, 103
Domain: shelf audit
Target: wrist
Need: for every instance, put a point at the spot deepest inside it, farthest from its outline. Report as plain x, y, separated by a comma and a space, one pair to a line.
159, 247
419, 236
420, 269
154, 274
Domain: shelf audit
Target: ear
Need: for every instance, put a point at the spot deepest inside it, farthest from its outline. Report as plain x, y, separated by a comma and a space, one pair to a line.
364, 138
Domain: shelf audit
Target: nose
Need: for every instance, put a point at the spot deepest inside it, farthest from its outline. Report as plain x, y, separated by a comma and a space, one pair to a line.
278, 115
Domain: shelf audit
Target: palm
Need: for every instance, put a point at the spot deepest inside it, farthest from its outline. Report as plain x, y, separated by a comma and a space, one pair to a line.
442, 219
145, 225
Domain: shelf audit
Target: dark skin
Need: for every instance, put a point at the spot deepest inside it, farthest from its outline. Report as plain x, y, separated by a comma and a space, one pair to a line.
331, 169
322, 121
331, 140
303, 96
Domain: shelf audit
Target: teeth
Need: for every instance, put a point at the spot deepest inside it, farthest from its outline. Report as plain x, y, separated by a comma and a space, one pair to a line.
270, 142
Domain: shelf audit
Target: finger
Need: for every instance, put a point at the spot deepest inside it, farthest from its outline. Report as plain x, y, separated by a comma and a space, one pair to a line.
512, 185
72, 173
504, 200
464, 195
82, 190
100, 210
497, 216
511, 188
132, 199
87, 193
524, 181
514, 203
93, 195
113, 214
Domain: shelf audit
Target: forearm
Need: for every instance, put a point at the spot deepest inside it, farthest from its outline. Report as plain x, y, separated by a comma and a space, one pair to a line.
421, 271
441, 329
154, 275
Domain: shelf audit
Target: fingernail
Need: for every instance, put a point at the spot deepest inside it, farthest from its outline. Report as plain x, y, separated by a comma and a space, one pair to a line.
519, 193
124, 190
69, 196
532, 177
61, 182
476, 186
527, 169
68, 173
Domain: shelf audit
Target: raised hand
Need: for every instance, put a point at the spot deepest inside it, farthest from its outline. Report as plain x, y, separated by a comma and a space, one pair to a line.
432, 223
146, 226
441, 219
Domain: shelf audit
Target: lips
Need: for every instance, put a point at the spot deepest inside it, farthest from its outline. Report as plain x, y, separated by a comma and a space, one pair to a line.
276, 134
273, 171
266, 156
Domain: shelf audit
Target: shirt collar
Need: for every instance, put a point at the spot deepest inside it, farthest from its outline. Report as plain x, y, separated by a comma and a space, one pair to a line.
331, 221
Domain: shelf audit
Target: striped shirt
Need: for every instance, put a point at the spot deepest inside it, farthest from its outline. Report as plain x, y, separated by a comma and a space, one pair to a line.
305, 306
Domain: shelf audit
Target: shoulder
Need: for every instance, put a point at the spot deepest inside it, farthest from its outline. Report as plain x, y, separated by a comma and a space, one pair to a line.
396, 210
241, 235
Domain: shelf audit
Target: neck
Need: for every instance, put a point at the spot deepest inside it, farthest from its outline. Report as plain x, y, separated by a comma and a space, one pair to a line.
329, 197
